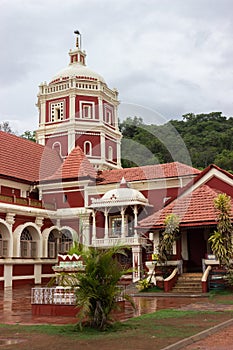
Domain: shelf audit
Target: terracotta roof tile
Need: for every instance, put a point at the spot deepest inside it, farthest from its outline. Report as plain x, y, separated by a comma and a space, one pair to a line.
147, 172
25, 160
194, 208
76, 165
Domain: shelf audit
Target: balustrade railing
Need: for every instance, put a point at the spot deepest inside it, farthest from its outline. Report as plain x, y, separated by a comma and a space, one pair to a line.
54, 295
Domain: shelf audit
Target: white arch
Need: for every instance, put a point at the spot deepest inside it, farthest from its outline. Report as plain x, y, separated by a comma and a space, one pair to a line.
36, 236
57, 147
87, 148
6, 231
72, 231
45, 236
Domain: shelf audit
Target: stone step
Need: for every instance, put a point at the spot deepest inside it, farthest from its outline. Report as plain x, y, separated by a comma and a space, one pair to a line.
188, 283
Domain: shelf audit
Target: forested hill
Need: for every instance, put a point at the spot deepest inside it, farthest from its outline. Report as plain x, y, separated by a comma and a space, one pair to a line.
197, 140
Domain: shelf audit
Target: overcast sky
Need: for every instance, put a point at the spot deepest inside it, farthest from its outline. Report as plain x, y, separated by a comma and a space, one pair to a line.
169, 56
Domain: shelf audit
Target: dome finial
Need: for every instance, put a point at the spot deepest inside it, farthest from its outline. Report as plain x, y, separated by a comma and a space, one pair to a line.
78, 38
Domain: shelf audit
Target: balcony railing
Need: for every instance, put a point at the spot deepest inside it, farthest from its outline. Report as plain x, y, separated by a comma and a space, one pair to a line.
111, 241
29, 202
55, 295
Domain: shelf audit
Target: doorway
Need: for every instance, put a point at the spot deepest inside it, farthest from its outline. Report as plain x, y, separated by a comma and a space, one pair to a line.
196, 249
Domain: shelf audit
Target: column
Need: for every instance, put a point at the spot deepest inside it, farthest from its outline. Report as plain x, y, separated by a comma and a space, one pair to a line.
106, 223
137, 262
71, 141
119, 153
135, 211
102, 145
123, 222
37, 273
93, 226
72, 107
84, 227
8, 269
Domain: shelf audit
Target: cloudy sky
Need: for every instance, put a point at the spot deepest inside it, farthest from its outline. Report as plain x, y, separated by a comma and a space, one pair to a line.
169, 56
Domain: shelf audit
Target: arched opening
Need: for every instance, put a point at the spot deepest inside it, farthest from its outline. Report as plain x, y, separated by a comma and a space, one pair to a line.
88, 148
52, 244
28, 247
65, 241
57, 147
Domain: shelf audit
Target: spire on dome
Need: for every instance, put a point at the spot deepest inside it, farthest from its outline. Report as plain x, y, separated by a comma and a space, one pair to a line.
77, 55
78, 38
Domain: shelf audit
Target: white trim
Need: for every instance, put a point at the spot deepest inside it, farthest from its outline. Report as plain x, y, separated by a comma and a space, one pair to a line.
87, 105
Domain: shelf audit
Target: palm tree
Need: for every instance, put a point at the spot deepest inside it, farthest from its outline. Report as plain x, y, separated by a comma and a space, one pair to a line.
221, 239
96, 288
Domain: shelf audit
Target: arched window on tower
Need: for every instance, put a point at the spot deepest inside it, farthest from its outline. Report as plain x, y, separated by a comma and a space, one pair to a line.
110, 153
88, 148
57, 147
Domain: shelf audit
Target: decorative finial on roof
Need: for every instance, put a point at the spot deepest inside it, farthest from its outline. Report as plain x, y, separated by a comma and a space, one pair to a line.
123, 183
77, 38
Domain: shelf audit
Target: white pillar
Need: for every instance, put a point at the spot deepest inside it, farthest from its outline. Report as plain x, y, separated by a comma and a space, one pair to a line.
8, 269
71, 140
37, 273
106, 223
102, 145
135, 211
93, 226
72, 107
137, 262
123, 222
85, 227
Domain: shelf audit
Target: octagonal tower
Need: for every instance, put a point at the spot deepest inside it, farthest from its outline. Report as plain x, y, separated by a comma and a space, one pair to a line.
77, 108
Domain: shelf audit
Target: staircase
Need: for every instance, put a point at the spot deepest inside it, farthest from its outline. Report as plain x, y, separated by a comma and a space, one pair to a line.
188, 283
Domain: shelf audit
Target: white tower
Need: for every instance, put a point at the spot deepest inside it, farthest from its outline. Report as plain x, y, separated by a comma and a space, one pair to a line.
77, 108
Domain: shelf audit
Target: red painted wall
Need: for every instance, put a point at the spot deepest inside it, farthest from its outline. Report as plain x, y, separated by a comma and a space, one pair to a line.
1, 270
21, 270
72, 199
218, 184
94, 139
63, 140
114, 148
47, 268
86, 99
22, 220
10, 191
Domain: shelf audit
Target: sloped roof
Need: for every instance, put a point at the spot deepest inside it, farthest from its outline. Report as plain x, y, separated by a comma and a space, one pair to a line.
195, 208
76, 165
147, 172
25, 160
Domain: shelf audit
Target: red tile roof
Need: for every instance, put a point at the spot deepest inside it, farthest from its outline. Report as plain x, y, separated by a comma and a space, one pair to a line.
147, 172
194, 209
75, 166
25, 160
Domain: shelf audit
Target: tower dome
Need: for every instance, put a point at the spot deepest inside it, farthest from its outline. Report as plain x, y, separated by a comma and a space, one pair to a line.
77, 108
77, 67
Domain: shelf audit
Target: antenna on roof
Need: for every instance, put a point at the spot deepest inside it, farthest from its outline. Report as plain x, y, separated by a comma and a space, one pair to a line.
77, 32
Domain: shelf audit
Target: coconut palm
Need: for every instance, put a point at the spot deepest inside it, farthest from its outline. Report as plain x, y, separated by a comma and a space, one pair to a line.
221, 239
97, 289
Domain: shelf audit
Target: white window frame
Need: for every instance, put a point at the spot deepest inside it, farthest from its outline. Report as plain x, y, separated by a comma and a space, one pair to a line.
87, 110
85, 148
56, 106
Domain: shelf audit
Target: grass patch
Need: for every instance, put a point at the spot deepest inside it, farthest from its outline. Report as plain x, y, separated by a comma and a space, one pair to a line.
162, 324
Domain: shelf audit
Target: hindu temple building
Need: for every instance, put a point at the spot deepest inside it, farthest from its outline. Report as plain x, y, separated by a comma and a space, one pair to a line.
70, 186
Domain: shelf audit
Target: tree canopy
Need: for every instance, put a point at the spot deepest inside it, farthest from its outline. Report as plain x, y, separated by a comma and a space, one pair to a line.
196, 139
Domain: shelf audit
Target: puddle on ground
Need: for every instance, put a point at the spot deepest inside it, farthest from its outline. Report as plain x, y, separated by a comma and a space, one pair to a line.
4, 342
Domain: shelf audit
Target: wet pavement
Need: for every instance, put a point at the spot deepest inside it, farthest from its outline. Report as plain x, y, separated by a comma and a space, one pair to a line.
15, 307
